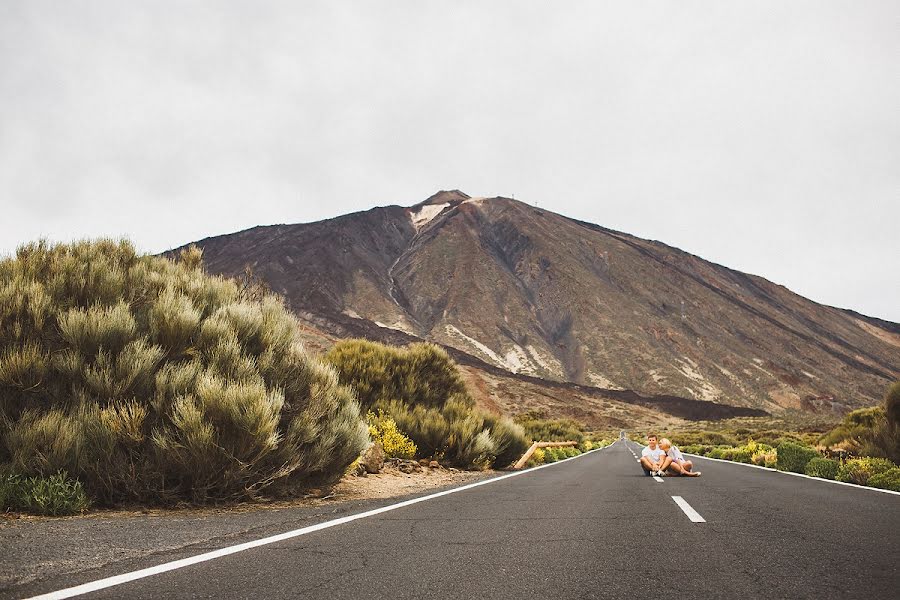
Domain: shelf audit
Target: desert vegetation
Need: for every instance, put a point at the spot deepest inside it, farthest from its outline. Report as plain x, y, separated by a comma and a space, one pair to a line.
145, 379
420, 389
863, 449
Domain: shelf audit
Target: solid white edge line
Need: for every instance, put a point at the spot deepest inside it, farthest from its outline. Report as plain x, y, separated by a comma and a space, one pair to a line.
692, 514
852, 485
657, 478
108, 582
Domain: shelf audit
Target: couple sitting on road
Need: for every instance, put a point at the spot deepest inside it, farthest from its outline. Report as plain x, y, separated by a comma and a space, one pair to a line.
663, 458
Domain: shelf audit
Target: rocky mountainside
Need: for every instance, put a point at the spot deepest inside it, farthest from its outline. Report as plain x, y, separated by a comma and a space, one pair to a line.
539, 294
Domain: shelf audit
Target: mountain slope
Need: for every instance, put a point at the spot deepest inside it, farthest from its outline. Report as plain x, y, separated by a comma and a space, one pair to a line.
540, 294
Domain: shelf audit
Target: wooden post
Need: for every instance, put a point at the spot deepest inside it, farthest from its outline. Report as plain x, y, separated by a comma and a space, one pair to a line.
521, 462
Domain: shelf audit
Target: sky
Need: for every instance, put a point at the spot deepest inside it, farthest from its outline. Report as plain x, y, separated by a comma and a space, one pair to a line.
761, 135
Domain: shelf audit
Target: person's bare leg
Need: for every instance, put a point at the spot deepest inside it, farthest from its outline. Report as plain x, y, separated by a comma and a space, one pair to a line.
647, 463
676, 469
665, 463
689, 469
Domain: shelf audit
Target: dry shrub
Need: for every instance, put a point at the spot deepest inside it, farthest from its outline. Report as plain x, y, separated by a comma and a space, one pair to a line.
148, 379
420, 388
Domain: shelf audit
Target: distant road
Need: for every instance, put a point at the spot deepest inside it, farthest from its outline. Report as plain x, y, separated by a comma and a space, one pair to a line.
591, 527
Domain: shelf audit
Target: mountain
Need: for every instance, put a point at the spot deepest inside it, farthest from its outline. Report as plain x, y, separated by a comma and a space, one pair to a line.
538, 294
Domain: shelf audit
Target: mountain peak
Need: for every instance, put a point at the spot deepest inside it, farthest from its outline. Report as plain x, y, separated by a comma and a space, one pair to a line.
445, 197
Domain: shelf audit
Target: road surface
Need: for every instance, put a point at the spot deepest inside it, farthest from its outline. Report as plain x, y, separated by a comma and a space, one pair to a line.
590, 527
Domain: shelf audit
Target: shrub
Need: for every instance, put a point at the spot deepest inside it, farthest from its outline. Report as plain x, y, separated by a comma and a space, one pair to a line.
871, 431
420, 374
146, 378
822, 467
383, 429
794, 457
538, 428
886, 480
860, 470
538, 457
421, 389
509, 440
55, 495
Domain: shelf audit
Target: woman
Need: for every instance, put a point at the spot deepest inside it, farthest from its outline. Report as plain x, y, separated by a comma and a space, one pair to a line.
675, 460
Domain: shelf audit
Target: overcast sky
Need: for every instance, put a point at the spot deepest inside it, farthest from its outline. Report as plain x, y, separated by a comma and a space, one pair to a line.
764, 136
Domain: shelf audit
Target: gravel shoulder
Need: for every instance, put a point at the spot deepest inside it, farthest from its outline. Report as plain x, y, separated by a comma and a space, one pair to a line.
40, 548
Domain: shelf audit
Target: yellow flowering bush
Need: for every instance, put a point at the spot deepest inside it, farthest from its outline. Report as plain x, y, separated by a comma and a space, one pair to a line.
384, 430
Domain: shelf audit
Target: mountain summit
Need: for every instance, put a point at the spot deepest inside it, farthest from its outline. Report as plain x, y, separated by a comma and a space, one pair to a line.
537, 293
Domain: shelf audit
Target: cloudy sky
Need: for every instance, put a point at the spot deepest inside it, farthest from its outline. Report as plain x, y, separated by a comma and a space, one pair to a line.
764, 136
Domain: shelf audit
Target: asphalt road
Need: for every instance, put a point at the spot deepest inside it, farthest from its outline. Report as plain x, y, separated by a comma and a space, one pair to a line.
591, 527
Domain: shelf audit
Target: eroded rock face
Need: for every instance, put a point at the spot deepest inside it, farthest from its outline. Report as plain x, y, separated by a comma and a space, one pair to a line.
373, 458
536, 293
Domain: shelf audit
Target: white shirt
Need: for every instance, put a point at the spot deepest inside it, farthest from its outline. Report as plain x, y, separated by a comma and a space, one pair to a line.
654, 455
675, 454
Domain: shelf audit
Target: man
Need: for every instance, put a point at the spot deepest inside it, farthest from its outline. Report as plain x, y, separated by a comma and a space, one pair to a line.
652, 457
674, 460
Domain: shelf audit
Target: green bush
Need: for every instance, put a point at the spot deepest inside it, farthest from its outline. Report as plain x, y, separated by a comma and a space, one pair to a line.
53, 496
420, 374
539, 428
873, 432
421, 389
794, 457
147, 379
886, 480
860, 470
822, 467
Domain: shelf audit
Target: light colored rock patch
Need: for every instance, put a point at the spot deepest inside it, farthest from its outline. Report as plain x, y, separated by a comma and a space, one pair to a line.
656, 376
885, 336
725, 371
602, 382
424, 215
548, 363
808, 374
753, 364
515, 360
397, 325
453, 331
352, 313
706, 390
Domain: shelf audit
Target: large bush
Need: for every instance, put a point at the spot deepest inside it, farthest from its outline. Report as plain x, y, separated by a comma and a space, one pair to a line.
421, 389
149, 380
860, 470
794, 457
871, 431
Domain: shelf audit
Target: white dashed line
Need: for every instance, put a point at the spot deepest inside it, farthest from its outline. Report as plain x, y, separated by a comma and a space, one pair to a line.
692, 514
659, 479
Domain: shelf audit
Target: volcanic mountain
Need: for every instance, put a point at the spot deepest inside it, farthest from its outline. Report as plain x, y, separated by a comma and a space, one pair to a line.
538, 294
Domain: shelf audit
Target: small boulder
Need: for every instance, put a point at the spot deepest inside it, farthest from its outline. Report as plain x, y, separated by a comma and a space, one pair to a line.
434, 464
373, 458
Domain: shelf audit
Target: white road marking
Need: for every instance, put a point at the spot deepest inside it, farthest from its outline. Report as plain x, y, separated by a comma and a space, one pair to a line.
692, 514
657, 478
108, 582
